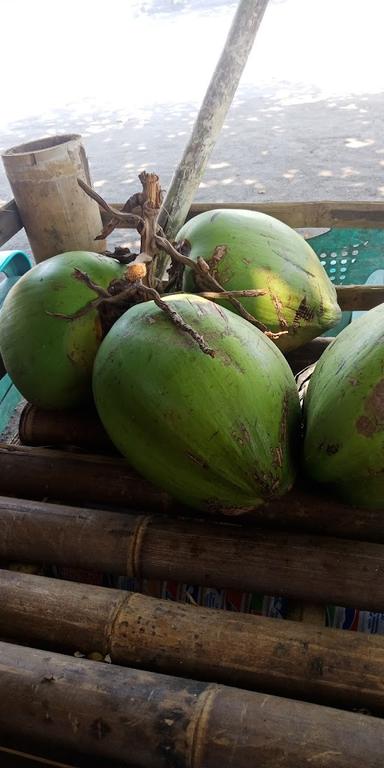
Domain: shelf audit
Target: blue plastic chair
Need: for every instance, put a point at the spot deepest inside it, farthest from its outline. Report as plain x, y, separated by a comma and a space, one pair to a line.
13, 264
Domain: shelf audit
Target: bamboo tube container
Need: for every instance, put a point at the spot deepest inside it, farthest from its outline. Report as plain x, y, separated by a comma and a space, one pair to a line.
254, 652
37, 473
81, 428
315, 569
158, 721
55, 212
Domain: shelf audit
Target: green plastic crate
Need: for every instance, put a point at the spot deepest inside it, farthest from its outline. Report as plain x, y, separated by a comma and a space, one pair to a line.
351, 257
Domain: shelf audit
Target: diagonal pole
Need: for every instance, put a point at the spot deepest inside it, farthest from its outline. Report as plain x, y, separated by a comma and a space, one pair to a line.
210, 119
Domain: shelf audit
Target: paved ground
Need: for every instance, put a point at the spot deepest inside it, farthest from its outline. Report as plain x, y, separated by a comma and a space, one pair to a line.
307, 121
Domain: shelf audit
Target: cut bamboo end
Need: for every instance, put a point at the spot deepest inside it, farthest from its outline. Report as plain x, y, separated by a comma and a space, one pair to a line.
81, 428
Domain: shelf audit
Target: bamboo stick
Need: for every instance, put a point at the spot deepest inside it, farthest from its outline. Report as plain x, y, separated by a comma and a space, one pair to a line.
77, 477
38, 473
159, 721
317, 569
81, 428
211, 116
279, 657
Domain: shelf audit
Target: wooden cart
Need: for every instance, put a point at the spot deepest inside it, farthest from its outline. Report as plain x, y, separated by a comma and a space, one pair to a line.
188, 686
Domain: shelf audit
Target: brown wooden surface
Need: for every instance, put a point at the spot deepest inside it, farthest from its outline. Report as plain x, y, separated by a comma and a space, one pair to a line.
308, 353
352, 297
281, 657
10, 221
81, 428
313, 568
159, 721
296, 214
316, 214
76, 477
12, 758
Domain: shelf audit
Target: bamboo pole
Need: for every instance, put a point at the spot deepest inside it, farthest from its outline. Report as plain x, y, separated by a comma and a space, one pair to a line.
311, 568
159, 721
81, 427
254, 652
77, 477
211, 116
39, 473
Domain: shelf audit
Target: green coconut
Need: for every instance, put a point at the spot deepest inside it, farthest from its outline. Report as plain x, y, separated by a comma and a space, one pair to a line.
48, 358
218, 433
344, 413
249, 250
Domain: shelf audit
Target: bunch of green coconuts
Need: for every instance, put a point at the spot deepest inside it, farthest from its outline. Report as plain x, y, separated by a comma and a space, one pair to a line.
220, 431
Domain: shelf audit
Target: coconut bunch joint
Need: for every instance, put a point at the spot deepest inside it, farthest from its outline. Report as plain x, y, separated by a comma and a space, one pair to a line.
187, 376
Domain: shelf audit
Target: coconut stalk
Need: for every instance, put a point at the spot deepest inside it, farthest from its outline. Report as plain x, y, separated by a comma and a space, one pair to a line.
157, 720
210, 118
140, 284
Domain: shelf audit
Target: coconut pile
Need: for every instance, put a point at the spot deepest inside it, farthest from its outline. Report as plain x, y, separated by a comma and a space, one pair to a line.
182, 349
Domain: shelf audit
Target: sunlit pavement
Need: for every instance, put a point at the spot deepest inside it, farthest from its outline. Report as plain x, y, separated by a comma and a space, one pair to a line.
307, 121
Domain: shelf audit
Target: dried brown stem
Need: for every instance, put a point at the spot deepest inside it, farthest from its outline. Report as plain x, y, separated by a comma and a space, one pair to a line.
135, 289
84, 278
201, 269
152, 241
176, 319
132, 218
94, 304
166, 246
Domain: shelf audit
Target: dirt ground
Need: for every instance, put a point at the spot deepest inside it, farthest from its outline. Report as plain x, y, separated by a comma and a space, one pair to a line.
285, 138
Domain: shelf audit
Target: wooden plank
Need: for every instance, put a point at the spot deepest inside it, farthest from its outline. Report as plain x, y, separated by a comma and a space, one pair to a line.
319, 569
326, 213
10, 222
158, 720
346, 215
361, 297
254, 652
